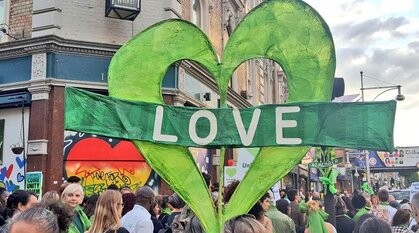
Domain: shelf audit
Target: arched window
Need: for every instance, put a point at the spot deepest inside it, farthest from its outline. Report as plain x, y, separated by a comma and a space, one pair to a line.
196, 12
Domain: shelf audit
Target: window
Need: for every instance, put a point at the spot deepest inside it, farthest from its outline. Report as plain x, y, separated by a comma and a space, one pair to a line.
2, 11
196, 12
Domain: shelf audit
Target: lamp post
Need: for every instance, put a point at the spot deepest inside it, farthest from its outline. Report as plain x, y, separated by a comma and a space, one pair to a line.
399, 97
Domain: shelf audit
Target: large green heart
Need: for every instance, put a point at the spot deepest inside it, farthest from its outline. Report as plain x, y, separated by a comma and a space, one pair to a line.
289, 32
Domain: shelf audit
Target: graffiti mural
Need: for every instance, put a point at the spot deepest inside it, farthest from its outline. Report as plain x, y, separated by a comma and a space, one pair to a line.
11, 175
101, 161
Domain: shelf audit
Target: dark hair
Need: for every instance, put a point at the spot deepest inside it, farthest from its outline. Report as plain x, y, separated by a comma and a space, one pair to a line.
207, 178
63, 213
358, 201
404, 201
349, 206
164, 201
151, 210
401, 217
340, 206
176, 201
129, 201
375, 225
19, 196
2, 189
282, 205
383, 195
265, 196
292, 194
256, 210
90, 204
229, 190
113, 187
361, 220
73, 179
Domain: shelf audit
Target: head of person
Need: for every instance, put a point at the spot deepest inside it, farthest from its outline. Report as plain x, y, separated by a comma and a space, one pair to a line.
176, 202
207, 179
415, 205
90, 204
260, 207
164, 202
358, 201
383, 195
108, 211
340, 207
73, 179
145, 196
282, 193
154, 209
243, 224
348, 203
50, 196
282, 205
374, 200
73, 195
361, 220
229, 190
126, 189
292, 195
265, 201
19, 201
4, 194
375, 225
129, 202
34, 220
113, 187
401, 218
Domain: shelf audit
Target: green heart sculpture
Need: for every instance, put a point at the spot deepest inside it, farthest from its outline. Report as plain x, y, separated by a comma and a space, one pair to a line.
289, 32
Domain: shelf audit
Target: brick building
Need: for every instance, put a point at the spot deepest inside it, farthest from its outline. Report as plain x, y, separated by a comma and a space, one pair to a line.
47, 45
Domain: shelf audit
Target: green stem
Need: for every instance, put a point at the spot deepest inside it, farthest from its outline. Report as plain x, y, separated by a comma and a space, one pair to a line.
220, 189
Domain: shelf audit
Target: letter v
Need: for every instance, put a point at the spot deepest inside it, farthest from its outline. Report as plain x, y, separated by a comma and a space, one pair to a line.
246, 137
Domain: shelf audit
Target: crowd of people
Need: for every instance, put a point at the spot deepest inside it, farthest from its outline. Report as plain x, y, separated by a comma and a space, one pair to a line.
122, 210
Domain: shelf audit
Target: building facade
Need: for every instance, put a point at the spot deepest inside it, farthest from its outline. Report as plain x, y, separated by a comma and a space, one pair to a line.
47, 45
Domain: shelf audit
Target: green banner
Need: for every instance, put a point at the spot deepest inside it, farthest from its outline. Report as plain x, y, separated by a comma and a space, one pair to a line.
328, 163
363, 125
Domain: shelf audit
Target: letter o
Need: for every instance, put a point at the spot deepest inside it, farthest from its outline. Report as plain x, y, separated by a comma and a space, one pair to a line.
213, 127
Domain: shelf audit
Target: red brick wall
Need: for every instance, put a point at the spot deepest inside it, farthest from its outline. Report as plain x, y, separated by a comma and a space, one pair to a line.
20, 18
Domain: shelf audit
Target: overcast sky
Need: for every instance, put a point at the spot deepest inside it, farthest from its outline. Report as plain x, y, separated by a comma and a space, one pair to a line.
381, 38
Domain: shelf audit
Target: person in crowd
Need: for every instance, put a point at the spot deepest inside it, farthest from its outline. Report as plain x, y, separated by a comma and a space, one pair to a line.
316, 218
361, 220
392, 202
301, 193
126, 189
19, 201
359, 202
374, 203
243, 224
374, 225
4, 194
165, 210
384, 210
400, 223
154, 211
281, 222
108, 213
349, 206
176, 204
129, 200
73, 179
34, 220
138, 220
283, 206
258, 210
72, 196
344, 224
404, 201
407, 206
283, 193
50, 196
415, 207
90, 205
294, 210
229, 190
112, 187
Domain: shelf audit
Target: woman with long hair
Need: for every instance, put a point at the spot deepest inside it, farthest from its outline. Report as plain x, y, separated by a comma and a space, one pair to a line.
72, 196
108, 213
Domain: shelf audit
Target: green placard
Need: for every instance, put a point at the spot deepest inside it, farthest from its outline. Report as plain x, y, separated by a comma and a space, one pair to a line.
33, 183
325, 164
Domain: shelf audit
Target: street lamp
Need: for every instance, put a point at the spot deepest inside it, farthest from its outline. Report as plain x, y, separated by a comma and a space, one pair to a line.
399, 97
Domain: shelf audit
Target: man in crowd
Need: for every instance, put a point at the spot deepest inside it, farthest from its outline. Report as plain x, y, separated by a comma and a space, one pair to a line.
295, 214
384, 210
415, 207
138, 220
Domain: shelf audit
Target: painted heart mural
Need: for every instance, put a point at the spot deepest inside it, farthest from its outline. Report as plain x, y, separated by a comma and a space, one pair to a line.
288, 32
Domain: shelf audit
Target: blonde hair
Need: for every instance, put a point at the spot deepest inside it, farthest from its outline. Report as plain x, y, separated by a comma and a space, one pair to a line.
71, 188
106, 213
313, 206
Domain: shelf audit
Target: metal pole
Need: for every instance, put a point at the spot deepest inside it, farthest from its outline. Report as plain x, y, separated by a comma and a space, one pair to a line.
362, 86
367, 165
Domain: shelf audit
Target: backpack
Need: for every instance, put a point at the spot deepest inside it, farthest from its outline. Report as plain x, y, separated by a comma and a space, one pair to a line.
183, 222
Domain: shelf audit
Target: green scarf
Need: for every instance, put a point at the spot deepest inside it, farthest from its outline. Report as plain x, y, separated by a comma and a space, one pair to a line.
315, 219
166, 211
360, 213
329, 181
384, 203
367, 188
